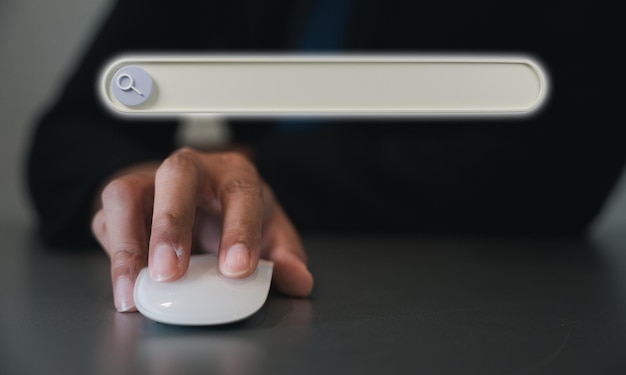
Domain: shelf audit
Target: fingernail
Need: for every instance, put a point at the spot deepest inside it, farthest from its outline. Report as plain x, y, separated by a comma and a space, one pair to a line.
237, 260
124, 295
164, 264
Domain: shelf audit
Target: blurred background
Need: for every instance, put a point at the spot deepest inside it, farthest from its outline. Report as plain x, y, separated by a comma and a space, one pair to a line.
40, 42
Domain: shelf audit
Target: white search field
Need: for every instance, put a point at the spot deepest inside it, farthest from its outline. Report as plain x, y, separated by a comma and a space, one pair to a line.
324, 85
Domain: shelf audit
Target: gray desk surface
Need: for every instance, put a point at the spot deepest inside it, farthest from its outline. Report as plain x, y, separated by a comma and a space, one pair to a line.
381, 305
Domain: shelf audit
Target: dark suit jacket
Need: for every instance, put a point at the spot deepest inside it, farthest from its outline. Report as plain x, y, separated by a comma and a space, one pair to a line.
549, 173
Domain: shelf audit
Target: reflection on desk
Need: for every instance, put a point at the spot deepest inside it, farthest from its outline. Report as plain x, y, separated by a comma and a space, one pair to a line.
380, 305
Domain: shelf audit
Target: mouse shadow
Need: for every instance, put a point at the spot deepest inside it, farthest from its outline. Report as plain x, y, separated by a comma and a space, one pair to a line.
278, 311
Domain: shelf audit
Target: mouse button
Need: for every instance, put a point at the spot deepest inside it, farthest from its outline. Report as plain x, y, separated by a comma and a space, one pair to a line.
265, 269
203, 266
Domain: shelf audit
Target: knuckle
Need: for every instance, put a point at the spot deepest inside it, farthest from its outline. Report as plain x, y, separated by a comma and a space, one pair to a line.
245, 178
126, 250
236, 160
118, 189
168, 220
233, 157
125, 259
185, 150
98, 224
180, 161
248, 185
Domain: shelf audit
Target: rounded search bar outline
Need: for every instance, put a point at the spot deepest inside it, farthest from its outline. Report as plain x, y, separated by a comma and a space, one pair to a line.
177, 64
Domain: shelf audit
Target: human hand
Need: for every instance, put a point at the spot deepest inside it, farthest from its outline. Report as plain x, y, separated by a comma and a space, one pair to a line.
154, 214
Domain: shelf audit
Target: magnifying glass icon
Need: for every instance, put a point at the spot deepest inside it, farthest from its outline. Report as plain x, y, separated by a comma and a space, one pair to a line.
129, 86
126, 80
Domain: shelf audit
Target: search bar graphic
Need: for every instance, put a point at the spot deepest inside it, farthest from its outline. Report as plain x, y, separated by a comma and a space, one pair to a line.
241, 85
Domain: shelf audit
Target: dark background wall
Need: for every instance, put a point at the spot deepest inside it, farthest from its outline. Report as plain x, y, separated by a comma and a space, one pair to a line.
39, 43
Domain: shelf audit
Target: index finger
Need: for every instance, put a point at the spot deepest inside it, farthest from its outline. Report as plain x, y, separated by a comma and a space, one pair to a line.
175, 200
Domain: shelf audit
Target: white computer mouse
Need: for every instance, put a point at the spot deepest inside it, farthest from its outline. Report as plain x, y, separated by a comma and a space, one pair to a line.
203, 296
